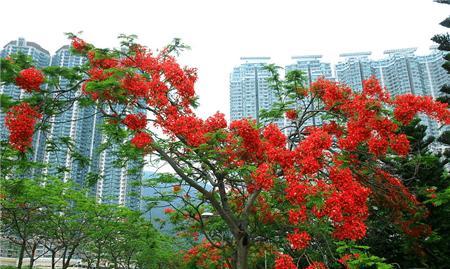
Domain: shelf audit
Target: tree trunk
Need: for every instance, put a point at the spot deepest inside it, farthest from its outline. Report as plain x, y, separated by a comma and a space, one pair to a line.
33, 253
21, 254
53, 259
66, 262
242, 245
99, 253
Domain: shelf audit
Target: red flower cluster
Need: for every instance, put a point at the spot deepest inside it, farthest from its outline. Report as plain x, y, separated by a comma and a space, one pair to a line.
136, 85
141, 140
168, 210
78, 44
216, 122
296, 216
264, 211
346, 258
263, 177
284, 261
274, 136
408, 105
189, 128
291, 114
135, 122
346, 206
373, 89
332, 94
98, 60
310, 151
205, 255
20, 121
182, 80
250, 148
30, 79
299, 240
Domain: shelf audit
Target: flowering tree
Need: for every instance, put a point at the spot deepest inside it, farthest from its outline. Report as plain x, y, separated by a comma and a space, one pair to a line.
324, 173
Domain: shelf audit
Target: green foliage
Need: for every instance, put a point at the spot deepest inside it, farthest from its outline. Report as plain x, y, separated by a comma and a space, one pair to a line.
425, 176
287, 92
12, 66
360, 257
6, 102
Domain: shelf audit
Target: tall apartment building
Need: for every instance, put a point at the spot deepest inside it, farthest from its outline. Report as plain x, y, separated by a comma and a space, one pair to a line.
82, 125
401, 71
432, 73
41, 58
434, 77
249, 89
354, 69
75, 123
118, 185
312, 68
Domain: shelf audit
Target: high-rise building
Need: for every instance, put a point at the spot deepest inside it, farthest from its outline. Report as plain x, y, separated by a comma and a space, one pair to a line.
82, 125
249, 88
400, 72
312, 68
432, 73
75, 123
41, 58
434, 77
354, 69
118, 185
79, 128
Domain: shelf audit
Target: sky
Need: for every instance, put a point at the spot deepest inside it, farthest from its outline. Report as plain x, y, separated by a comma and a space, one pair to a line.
220, 32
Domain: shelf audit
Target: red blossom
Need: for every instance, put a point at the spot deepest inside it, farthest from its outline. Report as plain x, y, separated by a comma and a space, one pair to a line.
263, 177
251, 146
284, 261
399, 144
215, 122
168, 210
274, 136
20, 121
189, 128
296, 216
30, 79
310, 151
332, 94
135, 122
372, 88
299, 240
377, 145
136, 85
98, 60
347, 257
78, 44
408, 105
291, 114
182, 80
141, 140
